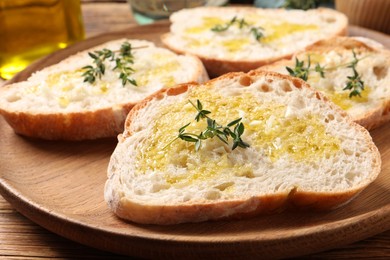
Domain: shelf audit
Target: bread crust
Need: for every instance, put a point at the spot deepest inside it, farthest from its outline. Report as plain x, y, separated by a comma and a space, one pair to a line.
87, 125
232, 209
149, 213
219, 66
374, 116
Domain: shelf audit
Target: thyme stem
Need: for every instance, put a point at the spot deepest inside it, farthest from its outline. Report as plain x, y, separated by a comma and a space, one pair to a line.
123, 59
241, 23
354, 83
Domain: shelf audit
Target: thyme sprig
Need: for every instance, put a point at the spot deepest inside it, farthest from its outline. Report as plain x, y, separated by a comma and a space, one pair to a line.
301, 4
98, 58
123, 63
241, 23
354, 83
212, 130
320, 69
300, 71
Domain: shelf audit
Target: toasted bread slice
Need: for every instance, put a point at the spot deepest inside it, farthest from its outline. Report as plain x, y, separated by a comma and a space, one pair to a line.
225, 38
303, 151
371, 107
56, 102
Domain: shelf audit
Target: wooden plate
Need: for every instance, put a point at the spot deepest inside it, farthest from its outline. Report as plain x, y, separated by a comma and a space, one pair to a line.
59, 185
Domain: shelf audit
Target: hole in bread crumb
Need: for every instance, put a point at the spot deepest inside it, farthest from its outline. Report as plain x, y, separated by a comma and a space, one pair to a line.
285, 86
178, 90
270, 80
247, 173
158, 187
320, 97
330, 117
278, 186
127, 124
265, 87
298, 103
224, 186
330, 19
13, 98
364, 149
297, 82
380, 72
186, 198
213, 195
139, 192
180, 160
160, 96
245, 81
347, 152
350, 176
314, 166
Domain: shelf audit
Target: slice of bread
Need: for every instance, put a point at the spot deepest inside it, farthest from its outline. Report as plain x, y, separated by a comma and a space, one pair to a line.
55, 103
303, 151
236, 48
372, 108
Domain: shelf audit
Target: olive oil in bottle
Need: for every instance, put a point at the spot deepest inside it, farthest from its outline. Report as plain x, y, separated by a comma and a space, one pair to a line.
30, 29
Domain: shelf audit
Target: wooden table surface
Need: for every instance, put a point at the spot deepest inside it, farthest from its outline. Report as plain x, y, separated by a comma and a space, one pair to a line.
20, 238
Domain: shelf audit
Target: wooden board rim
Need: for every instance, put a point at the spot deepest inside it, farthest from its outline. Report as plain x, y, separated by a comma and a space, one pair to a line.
377, 220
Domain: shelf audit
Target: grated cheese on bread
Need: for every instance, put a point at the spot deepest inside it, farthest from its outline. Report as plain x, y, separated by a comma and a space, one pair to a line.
56, 103
303, 151
371, 108
236, 48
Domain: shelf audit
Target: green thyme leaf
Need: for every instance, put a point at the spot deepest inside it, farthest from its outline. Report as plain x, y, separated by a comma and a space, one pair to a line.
320, 70
354, 83
301, 4
122, 64
212, 130
300, 71
201, 112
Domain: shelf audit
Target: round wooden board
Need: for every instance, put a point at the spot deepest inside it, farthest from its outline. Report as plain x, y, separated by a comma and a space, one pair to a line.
59, 185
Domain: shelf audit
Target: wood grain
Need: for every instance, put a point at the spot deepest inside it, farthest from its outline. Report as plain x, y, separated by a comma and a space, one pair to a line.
106, 17
59, 185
